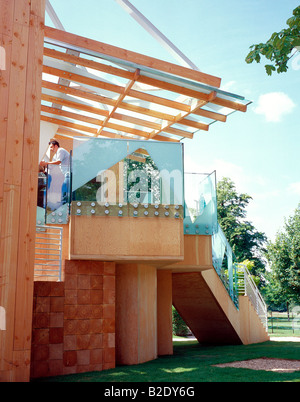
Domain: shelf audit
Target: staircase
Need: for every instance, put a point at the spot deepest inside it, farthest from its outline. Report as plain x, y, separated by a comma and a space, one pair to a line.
205, 305
217, 298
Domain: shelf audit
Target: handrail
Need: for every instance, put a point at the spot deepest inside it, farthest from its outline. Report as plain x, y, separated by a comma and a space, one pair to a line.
251, 290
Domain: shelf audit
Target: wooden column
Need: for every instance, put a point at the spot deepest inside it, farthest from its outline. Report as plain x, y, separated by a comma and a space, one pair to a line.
164, 313
136, 315
21, 37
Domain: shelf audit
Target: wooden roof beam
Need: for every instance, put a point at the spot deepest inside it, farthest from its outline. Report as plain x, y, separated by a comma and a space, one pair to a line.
114, 88
182, 117
105, 100
121, 97
76, 41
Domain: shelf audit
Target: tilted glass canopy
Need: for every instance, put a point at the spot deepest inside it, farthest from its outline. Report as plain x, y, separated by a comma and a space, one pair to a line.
96, 90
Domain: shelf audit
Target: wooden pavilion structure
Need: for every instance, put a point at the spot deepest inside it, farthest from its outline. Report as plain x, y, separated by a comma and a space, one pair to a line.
84, 88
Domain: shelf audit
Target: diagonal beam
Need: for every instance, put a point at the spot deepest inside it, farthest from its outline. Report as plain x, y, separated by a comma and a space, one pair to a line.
121, 98
159, 36
181, 118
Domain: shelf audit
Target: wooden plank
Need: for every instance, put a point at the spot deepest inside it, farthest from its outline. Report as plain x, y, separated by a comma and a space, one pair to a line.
195, 124
64, 123
115, 88
83, 80
147, 112
129, 130
80, 93
21, 13
4, 97
197, 105
9, 236
33, 94
127, 55
180, 133
159, 100
75, 105
27, 227
173, 88
24, 20
6, 18
85, 94
127, 88
70, 115
134, 120
230, 104
16, 105
70, 58
211, 115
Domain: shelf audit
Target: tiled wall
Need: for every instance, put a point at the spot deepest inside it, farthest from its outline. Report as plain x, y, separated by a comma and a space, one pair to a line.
74, 321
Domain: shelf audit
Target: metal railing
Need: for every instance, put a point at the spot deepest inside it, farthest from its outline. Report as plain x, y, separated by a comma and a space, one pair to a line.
247, 287
48, 253
236, 277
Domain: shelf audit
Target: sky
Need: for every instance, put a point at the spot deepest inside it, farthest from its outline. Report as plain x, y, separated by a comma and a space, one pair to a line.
258, 150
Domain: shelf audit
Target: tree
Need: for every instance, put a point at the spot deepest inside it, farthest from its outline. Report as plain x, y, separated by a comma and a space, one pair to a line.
278, 49
284, 258
246, 242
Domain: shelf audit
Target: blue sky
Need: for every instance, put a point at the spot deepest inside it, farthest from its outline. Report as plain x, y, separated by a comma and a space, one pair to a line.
259, 149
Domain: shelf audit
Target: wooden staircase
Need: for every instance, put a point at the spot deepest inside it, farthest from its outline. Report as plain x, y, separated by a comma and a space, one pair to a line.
204, 304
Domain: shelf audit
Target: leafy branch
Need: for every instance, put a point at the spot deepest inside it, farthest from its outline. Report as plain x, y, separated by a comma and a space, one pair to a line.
278, 49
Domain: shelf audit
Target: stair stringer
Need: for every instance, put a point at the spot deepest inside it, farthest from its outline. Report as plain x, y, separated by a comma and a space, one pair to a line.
206, 307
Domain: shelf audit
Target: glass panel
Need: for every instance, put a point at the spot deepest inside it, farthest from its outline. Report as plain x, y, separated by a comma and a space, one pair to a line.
222, 256
200, 204
54, 194
119, 171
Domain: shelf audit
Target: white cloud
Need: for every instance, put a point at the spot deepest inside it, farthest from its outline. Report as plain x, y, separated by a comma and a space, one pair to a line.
228, 86
294, 188
274, 106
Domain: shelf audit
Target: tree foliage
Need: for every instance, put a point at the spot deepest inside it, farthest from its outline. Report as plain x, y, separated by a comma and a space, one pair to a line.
284, 258
246, 242
279, 47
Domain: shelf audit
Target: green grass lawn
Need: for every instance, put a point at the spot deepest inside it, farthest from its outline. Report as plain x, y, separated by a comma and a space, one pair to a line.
192, 362
280, 325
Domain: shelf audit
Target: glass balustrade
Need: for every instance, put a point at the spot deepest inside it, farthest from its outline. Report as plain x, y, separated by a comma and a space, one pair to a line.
118, 177
224, 264
200, 212
200, 218
54, 195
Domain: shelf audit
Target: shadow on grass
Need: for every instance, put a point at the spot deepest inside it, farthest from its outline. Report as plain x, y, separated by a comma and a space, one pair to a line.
192, 362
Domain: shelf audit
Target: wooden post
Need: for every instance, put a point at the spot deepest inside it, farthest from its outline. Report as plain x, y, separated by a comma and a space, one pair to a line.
164, 313
21, 37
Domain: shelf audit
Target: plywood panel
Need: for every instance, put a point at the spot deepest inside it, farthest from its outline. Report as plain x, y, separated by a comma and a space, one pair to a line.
126, 238
197, 255
136, 316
